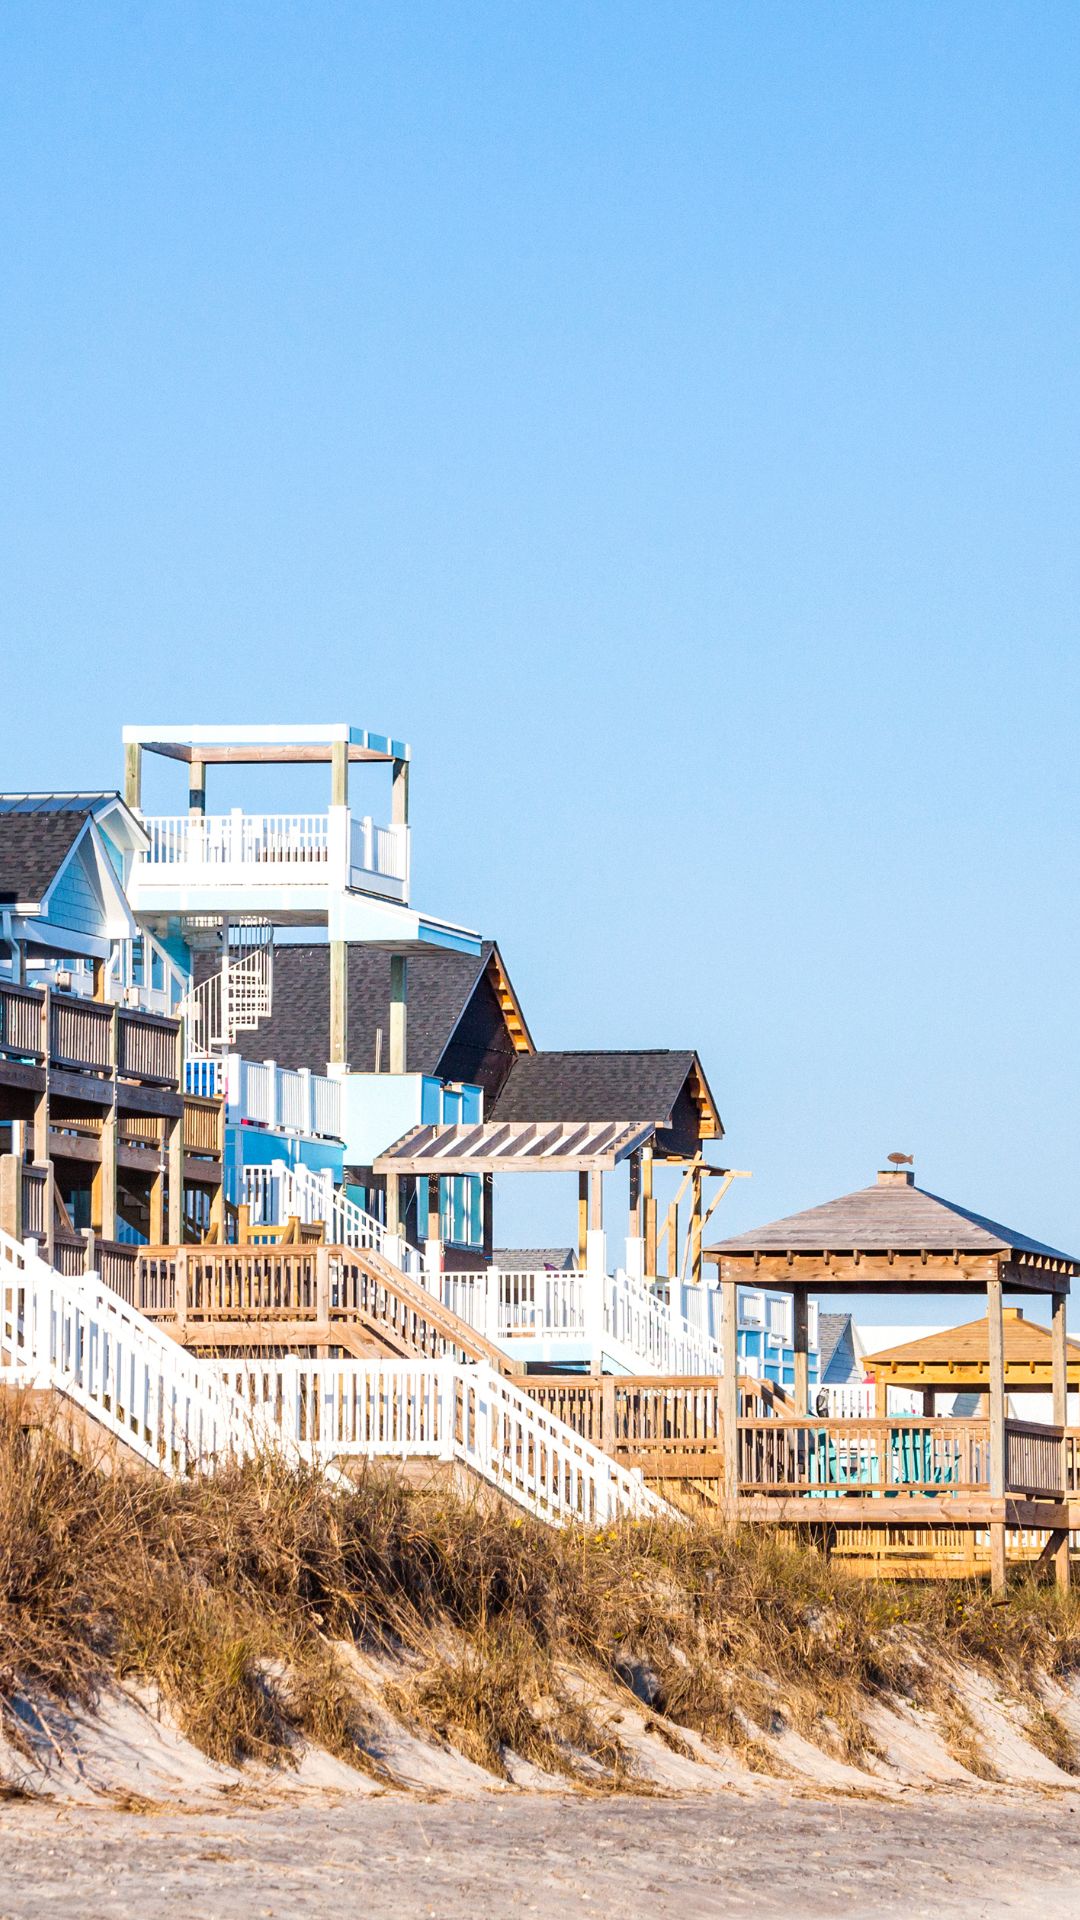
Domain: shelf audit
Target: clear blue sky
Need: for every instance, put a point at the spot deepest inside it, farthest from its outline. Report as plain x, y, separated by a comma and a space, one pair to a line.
667, 418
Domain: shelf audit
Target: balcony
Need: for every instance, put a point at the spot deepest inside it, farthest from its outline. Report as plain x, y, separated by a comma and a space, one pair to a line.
259, 1093
85, 1037
276, 861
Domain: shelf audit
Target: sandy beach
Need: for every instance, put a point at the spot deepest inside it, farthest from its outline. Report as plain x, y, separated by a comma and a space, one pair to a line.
976, 1856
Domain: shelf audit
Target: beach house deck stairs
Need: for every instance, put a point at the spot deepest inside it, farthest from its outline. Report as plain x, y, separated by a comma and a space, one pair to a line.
81, 1341
636, 1330
238, 996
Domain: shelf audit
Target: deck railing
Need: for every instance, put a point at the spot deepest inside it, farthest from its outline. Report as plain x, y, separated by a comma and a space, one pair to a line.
266, 1095
77, 1035
1035, 1460
334, 848
441, 1410
935, 1456
21, 1032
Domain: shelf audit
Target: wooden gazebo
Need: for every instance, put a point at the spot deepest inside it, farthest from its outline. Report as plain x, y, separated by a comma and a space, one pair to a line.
894, 1237
957, 1360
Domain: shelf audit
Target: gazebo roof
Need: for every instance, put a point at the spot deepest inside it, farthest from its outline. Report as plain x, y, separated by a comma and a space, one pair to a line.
895, 1223
960, 1356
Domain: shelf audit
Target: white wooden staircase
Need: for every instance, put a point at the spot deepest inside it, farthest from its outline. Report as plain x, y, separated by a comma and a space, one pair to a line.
179, 1414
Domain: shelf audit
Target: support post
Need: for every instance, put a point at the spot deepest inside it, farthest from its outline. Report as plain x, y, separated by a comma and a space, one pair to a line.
399, 987
635, 1245
487, 1208
133, 774
695, 1227
11, 1207
339, 1003
996, 1355
399, 796
339, 773
196, 798
800, 1329
1059, 1364
174, 1153
41, 1103
648, 1206
729, 1397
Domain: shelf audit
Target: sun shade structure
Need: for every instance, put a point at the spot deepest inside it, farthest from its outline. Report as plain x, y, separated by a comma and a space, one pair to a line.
958, 1358
893, 1236
533, 1147
252, 746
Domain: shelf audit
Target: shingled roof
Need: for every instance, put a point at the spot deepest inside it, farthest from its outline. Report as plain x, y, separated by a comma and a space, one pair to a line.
890, 1217
441, 985
664, 1086
965, 1351
33, 848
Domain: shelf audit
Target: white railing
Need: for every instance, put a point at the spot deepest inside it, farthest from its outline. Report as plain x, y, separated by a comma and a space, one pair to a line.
229, 1002
253, 849
77, 1335
856, 1400
237, 839
380, 850
278, 1192
266, 1095
440, 1409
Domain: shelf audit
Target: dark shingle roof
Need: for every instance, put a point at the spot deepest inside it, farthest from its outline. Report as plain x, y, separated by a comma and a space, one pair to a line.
33, 848
593, 1086
534, 1259
297, 1034
886, 1218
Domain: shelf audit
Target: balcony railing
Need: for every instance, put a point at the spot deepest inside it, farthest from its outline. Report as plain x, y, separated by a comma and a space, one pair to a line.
87, 1036
263, 1094
333, 849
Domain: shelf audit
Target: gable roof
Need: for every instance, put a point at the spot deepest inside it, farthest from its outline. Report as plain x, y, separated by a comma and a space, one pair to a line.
534, 1259
440, 985
886, 1218
33, 848
832, 1328
591, 1085
39, 830
967, 1348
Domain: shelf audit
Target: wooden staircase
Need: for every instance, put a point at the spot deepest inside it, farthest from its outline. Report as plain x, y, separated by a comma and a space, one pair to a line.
280, 1297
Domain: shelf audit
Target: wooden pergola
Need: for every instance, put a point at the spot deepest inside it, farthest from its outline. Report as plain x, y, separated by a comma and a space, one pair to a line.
895, 1238
957, 1360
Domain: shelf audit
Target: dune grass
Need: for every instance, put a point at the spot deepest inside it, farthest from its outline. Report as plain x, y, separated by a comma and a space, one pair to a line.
231, 1595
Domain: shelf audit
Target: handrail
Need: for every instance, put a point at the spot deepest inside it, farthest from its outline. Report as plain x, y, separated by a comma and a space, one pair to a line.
439, 1409
75, 1334
179, 1414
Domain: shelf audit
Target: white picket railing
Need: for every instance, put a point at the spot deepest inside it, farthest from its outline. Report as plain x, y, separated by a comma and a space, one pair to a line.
856, 1400
229, 1002
179, 1414
277, 1192
76, 1334
264, 1094
638, 1330
267, 849
440, 1409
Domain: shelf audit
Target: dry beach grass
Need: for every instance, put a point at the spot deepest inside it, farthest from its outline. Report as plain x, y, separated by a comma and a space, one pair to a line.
235, 1598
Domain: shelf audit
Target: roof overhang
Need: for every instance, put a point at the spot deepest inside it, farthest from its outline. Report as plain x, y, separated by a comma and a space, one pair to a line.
567, 1146
252, 746
895, 1271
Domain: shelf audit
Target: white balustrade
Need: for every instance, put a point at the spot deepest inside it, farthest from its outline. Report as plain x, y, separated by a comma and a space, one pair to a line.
179, 1414
254, 849
79, 1336
440, 1409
